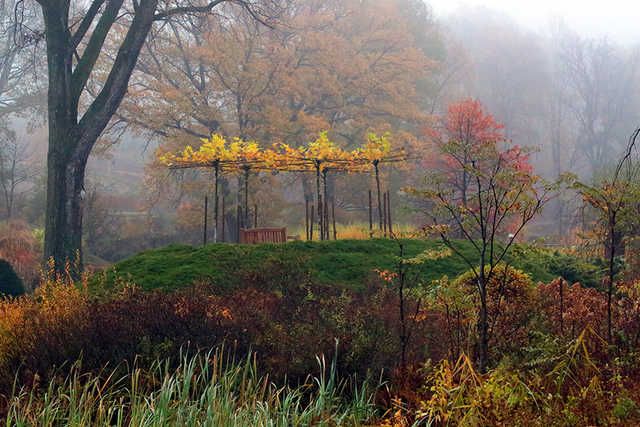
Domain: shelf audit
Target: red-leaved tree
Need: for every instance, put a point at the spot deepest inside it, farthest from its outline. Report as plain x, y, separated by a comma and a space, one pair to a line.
460, 134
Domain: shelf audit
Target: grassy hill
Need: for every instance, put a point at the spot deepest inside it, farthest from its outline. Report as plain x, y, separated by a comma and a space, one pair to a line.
346, 263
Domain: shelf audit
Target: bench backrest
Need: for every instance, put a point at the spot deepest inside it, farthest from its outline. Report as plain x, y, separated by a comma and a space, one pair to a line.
263, 235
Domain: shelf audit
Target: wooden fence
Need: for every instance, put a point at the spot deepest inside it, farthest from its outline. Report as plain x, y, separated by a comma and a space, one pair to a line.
263, 235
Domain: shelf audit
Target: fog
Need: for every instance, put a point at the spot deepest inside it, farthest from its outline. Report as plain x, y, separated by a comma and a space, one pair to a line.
614, 19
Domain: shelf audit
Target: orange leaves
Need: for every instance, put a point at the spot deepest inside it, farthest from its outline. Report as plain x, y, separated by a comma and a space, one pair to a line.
386, 275
344, 65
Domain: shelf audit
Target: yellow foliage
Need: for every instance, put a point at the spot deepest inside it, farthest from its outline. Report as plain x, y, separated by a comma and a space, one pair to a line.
317, 155
57, 300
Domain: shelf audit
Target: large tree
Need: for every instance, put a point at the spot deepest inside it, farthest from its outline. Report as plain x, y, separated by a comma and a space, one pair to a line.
75, 34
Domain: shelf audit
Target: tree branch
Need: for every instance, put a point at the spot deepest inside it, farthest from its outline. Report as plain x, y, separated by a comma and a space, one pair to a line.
187, 10
94, 47
86, 23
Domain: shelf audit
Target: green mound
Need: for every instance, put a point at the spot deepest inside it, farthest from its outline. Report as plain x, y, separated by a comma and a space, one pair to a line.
345, 263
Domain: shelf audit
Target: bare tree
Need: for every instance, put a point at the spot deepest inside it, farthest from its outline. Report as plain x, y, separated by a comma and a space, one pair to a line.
15, 170
20, 59
601, 79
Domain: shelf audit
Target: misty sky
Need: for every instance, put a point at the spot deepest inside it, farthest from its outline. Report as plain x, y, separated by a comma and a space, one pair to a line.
617, 19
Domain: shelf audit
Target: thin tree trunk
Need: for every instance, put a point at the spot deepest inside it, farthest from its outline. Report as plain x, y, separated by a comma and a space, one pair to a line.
612, 251
561, 307
325, 206
370, 214
319, 201
483, 324
239, 204
246, 198
306, 218
403, 326
215, 227
389, 220
375, 165
384, 213
326, 219
204, 234
223, 219
239, 215
311, 223
255, 216
333, 214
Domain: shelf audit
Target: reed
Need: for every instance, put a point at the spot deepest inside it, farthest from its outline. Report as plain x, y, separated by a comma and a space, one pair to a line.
208, 389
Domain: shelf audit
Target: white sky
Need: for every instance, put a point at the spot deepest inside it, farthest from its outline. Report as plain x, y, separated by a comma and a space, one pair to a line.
617, 19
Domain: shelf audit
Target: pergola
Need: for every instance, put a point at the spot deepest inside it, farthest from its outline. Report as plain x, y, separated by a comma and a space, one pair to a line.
320, 157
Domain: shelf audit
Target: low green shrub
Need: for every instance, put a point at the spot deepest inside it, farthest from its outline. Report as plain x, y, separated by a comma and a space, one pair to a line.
10, 283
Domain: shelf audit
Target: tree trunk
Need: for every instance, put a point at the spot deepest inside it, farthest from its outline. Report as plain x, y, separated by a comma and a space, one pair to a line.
404, 335
246, 198
389, 219
306, 218
222, 225
216, 207
375, 165
333, 215
370, 215
384, 213
325, 210
483, 328
63, 226
206, 213
319, 202
611, 272
311, 221
561, 306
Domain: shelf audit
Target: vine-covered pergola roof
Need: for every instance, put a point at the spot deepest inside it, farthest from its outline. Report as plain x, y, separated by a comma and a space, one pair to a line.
316, 156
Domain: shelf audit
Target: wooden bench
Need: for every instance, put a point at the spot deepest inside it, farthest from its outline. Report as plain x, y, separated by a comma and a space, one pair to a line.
263, 235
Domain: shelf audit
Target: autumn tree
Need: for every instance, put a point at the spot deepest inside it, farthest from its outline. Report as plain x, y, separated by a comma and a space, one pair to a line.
616, 201
201, 75
458, 135
502, 196
75, 35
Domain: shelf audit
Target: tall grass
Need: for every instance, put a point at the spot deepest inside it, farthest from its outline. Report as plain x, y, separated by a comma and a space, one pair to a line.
203, 390
354, 230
